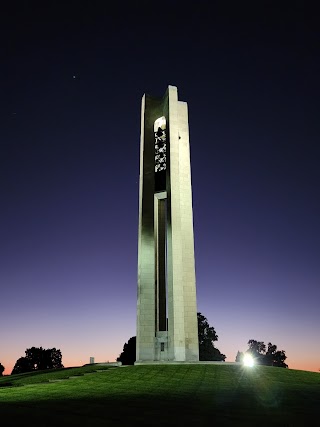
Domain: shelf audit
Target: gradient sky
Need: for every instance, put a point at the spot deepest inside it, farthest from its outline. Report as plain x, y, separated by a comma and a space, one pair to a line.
71, 82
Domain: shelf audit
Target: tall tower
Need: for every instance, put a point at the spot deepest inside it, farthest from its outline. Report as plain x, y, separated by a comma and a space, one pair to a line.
167, 327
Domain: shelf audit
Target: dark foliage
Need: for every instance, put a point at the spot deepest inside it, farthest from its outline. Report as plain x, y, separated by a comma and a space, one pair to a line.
22, 365
207, 335
1, 369
128, 355
239, 356
267, 356
37, 359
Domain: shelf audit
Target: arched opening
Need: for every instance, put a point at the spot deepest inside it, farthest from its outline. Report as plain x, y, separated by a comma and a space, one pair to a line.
160, 149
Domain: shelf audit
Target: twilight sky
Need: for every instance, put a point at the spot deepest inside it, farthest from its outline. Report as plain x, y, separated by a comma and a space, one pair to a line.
71, 82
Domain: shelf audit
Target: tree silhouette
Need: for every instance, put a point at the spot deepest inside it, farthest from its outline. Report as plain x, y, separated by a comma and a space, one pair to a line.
239, 356
257, 350
267, 356
207, 335
21, 366
128, 355
38, 359
1, 369
275, 357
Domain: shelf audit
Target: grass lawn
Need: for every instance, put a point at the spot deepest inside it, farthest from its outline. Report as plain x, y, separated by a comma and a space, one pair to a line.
161, 395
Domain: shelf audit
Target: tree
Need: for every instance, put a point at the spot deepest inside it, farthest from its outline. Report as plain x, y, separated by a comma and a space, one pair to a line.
1, 369
207, 335
257, 350
38, 359
128, 355
267, 356
55, 357
272, 349
21, 366
41, 358
239, 357
275, 357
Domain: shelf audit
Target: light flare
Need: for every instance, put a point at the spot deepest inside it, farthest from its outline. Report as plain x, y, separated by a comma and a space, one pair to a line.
248, 360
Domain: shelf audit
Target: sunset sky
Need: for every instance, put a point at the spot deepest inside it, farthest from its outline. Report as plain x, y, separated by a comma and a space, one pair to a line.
71, 83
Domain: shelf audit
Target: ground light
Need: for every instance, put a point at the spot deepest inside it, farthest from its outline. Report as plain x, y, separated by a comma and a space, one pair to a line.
248, 360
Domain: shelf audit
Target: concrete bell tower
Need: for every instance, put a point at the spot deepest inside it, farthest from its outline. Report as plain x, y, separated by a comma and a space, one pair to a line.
167, 327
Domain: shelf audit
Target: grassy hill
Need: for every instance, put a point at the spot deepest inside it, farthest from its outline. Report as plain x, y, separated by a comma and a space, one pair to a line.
161, 395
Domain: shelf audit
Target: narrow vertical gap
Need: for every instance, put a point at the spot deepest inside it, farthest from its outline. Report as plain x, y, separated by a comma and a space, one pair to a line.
156, 273
162, 314
166, 258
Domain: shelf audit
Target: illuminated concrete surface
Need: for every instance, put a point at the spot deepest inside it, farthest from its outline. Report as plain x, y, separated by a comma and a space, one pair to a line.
166, 303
